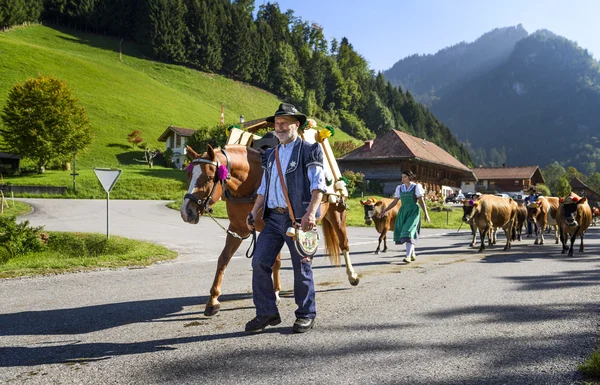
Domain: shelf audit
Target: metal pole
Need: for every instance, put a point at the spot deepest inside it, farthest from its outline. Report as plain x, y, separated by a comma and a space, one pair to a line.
107, 215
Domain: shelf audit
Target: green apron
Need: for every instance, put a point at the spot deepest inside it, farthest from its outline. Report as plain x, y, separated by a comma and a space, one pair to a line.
408, 222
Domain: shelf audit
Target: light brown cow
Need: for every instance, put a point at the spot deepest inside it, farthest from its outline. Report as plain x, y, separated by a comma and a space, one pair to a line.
595, 215
373, 208
468, 205
574, 217
542, 213
492, 211
520, 220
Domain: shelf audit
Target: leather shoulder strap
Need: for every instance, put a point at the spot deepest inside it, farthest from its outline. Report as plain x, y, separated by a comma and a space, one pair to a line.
283, 186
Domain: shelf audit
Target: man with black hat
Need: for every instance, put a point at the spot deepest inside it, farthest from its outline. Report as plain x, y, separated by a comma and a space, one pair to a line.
301, 165
531, 198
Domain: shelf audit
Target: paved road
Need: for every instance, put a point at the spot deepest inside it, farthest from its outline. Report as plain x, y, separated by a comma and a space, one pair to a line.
527, 316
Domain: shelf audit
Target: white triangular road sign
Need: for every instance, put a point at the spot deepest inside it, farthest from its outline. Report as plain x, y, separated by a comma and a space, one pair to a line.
107, 177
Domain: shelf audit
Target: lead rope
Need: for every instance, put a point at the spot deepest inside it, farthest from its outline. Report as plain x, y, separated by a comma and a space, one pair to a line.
236, 235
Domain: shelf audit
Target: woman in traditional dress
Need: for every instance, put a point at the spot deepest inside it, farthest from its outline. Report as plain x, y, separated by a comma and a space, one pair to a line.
408, 221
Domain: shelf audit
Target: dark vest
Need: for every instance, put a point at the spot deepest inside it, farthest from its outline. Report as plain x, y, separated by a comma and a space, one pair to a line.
303, 155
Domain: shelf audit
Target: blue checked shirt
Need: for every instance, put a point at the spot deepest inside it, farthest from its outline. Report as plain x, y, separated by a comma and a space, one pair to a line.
276, 198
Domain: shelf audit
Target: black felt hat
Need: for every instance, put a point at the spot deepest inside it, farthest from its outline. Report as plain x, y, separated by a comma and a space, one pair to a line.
286, 109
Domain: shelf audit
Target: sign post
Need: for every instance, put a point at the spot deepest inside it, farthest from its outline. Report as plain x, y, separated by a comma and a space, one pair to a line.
107, 177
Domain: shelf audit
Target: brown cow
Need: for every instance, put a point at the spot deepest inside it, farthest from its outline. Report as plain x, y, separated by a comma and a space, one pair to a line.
373, 208
574, 217
492, 211
519, 221
595, 215
543, 212
468, 205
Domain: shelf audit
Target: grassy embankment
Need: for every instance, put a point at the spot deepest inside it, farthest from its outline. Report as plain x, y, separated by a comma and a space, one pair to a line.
120, 96
71, 252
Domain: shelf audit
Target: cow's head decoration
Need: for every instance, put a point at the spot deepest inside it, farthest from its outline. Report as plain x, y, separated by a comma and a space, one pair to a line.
468, 206
569, 205
369, 207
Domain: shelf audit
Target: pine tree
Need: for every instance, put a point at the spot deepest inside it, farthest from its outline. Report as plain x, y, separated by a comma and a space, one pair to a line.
167, 29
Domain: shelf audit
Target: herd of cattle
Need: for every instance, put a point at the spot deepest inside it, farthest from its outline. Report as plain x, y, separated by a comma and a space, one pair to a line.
567, 217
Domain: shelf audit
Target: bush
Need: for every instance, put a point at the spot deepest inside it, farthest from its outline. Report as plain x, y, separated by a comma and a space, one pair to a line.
342, 148
353, 180
18, 238
216, 136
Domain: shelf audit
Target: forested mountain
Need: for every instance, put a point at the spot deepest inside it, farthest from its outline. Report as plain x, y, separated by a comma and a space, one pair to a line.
267, 47
537, 105
428, 77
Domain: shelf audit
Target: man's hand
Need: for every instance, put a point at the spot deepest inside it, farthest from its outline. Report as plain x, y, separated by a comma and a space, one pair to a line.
308, 222
250, 221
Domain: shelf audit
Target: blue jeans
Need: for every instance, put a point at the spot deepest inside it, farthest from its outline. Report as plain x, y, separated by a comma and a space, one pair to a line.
268, 245
531, 228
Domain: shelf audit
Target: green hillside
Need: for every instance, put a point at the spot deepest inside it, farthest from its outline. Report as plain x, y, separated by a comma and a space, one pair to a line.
120, 96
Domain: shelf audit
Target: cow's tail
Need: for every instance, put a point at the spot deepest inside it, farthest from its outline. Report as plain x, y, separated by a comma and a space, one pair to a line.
332, 243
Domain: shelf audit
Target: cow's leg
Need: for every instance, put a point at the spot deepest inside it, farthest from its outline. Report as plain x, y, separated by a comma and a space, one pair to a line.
276, 280
379, 244
385, 248
563, 240
556, 234
542, 235
508, 232
538, 230
213, 305
474, 232
482, 234
581, 248
572, 241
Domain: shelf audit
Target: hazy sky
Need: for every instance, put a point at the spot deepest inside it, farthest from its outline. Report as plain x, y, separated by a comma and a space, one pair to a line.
385, 31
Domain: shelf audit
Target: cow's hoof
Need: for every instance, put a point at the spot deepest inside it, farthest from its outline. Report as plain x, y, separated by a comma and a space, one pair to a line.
354, 281
384, 251
212, 310
536, 242
376, 252
542, 242
480, 250
570, 254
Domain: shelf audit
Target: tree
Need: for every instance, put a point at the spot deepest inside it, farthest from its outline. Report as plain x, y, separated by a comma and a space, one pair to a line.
552, 173
135, 138
563, 188
149, 156
43, 122
593, 181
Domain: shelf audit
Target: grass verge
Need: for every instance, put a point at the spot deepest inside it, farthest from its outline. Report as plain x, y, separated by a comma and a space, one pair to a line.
16, 208
72, 252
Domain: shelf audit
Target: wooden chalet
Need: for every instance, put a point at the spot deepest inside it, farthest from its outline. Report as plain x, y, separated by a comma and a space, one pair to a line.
583, 190
176, 138
384, 158
506, 179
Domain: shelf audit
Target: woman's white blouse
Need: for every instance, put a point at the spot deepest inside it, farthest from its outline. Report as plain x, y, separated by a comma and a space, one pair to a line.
419, 192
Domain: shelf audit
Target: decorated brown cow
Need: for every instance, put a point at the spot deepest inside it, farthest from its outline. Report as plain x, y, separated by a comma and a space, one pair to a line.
373, 208
573, 218
542, 213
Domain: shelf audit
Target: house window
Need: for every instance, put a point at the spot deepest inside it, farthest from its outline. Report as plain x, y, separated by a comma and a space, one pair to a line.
178, 140
516, 182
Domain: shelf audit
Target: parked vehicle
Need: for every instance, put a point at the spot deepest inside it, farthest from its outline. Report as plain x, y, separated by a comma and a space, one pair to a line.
502, 195
454, 198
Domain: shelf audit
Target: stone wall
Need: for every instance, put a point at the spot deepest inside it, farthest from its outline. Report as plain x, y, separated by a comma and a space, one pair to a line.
53, 190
